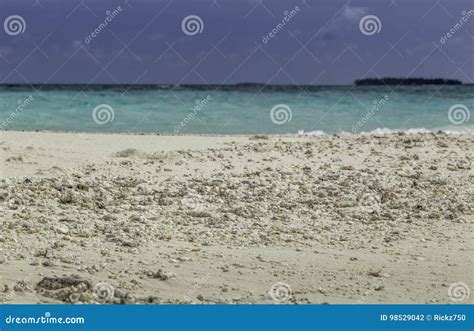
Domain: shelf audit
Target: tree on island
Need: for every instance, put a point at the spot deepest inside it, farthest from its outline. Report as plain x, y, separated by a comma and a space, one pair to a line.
406, 81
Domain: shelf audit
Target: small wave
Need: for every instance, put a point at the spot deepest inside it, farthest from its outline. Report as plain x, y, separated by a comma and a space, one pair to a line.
378, 131
387, 131
384, 131
450, 130
456, 129
311, 133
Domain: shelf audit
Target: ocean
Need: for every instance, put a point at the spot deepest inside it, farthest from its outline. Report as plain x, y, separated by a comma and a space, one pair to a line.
239, 109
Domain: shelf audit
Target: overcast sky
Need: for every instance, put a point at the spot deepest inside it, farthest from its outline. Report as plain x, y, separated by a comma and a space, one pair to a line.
322, 43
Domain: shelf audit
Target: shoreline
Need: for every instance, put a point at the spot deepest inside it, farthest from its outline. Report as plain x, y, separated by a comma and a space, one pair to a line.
301, 133
223, 219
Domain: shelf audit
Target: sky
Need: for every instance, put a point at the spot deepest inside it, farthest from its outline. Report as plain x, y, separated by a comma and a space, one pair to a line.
149, 42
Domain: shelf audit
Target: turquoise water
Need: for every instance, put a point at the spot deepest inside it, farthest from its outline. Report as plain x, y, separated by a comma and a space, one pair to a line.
236, 110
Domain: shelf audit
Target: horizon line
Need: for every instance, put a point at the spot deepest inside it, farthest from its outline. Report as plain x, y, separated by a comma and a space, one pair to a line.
214, 84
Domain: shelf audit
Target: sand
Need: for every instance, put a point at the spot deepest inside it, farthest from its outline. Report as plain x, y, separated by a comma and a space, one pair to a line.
236, 219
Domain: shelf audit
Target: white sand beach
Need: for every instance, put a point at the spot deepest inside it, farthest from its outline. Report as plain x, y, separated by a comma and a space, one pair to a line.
235, 219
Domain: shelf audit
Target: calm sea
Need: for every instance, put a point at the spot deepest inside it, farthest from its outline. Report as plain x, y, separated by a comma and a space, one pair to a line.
236, 109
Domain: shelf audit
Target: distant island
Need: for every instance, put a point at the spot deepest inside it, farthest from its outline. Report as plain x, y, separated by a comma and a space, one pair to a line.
406, 81
243, 86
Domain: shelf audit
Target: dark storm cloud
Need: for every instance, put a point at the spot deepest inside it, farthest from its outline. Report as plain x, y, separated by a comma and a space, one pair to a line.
73, 42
